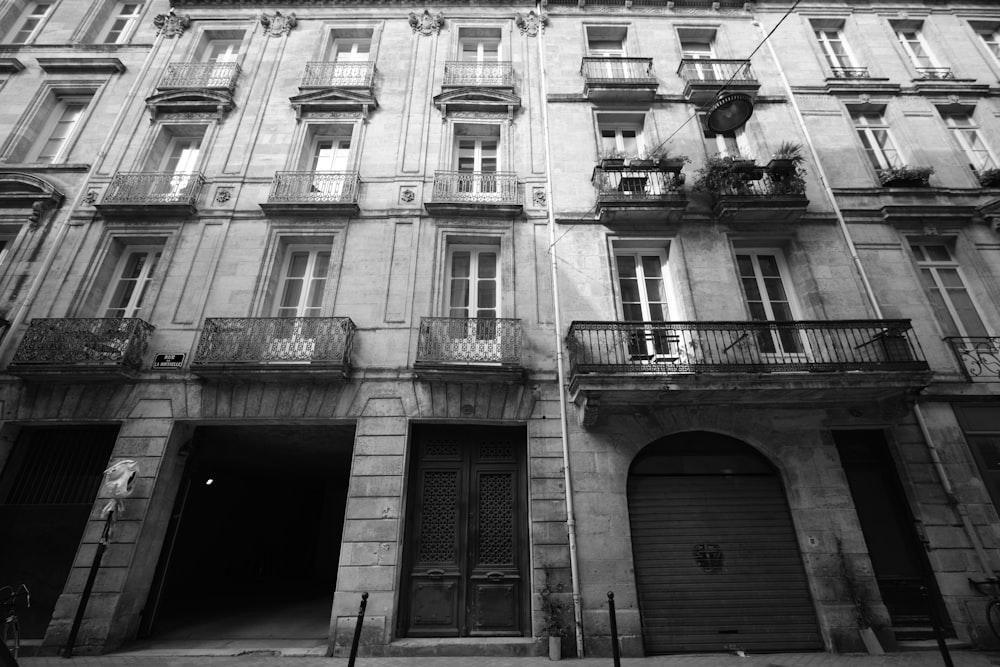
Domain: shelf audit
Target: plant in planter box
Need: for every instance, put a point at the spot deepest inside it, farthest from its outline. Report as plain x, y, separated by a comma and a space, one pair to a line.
989, 178
904, 176
787, 158
613, 158
723, 175
553, 615
668, 162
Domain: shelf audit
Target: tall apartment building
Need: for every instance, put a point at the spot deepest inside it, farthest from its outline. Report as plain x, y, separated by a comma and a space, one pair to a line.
695, 302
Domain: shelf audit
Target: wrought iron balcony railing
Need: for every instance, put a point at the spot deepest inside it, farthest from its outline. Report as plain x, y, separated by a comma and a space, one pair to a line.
82, 341
935, 73
260, 341
153, 188
979, 357
851, 73
303, 187
455, 340
743, 347
218, 76
338, 75
476, 187
611, 69
733, 71
637, 185
474, 74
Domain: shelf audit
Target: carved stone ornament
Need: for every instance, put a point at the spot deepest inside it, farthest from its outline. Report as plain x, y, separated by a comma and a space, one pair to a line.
530, 23
170, 24
222, 195
538, 197
427, 23
90, 197
278, 24
406, 195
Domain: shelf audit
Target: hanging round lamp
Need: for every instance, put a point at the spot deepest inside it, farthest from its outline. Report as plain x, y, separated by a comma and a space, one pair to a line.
729, 112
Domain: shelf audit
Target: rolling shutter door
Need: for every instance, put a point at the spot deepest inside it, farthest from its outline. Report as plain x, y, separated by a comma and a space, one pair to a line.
717, 565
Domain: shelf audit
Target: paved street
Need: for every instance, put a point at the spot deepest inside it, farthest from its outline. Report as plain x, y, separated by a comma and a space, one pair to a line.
904, 659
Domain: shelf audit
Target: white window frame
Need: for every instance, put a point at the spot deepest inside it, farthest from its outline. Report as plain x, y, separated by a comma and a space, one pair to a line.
699, 44
933, 266
784, 275
481, 42
353, 54
991, 40
140, 293
302, 309
632, 123
961, 135
823, 37
128, 22
647, 344
865, 130
27, 16
55, 120
905, 43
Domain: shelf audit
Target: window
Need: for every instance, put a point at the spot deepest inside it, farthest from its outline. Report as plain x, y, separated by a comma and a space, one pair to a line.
942, 281
479, 45
699, 44
123, 21
874, 135
621, 134
477, 158
608, 43
966, 134
834, 46
350, 49
473, 298
303, 281
54, 143
768, 298
222, 50
990, 34
31, 22
643, 293
131, 281
732, 144
915, 48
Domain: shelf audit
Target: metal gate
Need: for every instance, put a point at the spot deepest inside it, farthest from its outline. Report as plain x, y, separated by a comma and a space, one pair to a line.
717, 564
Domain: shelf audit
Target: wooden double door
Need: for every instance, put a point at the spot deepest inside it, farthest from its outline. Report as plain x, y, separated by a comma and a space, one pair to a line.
466, 535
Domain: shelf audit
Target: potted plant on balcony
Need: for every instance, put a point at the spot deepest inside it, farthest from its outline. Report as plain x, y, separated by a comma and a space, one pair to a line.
553, 615
989, 178
667, 162
613, 159
721, 175
905, 177
786, 159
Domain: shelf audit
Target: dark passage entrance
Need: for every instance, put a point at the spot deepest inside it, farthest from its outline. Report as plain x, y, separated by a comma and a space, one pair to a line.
254, 541
47, 491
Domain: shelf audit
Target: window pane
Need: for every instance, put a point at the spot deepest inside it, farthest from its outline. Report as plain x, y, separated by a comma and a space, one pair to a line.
322, 265
626, 266
460, 264
487, 265
292, 293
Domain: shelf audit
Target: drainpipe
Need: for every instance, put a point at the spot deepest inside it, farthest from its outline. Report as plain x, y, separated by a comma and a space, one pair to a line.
46, 265
960, 509
560, 363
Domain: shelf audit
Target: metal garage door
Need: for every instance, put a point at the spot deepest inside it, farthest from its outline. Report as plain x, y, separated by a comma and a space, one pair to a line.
716, 561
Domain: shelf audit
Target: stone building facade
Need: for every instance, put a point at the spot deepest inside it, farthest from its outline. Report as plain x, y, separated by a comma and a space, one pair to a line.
451, 305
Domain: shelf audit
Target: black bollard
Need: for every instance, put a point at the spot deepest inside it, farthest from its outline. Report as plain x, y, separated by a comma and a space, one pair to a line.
88, 587
615, 653
936, 625
357, 630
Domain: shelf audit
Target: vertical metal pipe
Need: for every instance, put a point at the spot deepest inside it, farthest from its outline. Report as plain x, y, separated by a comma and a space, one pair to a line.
89, 586
357, 630
615, 652
932, 611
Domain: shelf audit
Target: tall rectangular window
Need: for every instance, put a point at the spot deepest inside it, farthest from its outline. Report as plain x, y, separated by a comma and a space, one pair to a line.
991, 38
769, 298
132, 276
122, 23
621, 134
969, 139
642, 290
834, 46
874, 134
699, 44
31, 22
609, 44
54, 142
303, 281
912, 41
945, 287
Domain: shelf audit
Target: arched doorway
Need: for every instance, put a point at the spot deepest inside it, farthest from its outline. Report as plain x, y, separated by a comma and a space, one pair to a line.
717, 564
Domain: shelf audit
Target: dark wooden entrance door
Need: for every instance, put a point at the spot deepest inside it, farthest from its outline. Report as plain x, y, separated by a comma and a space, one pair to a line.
897, 555
466, 562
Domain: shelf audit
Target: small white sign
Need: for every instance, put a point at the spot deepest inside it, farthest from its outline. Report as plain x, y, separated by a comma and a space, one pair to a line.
168, 361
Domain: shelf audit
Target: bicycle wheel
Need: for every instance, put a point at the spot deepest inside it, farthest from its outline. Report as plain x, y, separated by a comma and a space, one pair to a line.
12, 637
993, 617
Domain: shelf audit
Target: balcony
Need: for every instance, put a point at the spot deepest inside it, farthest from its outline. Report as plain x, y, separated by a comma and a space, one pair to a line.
742, 191
935, 74
476, 193
979, 357
81, 350
622, 364
705, 77
618, 79
195, 88
459, 74
337, 87
275, 348
309, 192
338, 75
151, 194
469, 349
635, 194
851, 73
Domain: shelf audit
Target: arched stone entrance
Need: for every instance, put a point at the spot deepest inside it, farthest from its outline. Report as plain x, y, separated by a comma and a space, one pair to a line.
717, 563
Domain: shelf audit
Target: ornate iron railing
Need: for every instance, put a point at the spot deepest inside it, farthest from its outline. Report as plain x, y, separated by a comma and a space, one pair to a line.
979, 357
200, 75
476, 187
679, 347
697, 69
636, 185
455, 340
851, 73
765, 186
150, 187
473, 74
611, 69
315, 187
81, 341
932, 73
338, 75
275, 340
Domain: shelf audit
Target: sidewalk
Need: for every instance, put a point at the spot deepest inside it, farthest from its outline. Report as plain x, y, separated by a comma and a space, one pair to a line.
961, 658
